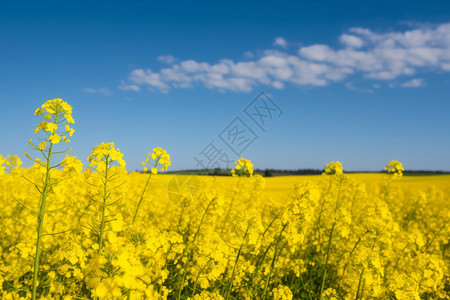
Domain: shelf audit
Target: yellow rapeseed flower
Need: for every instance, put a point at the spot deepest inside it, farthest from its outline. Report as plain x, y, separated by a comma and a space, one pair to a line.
243, 167
161, 159
105, 153
54, 138
52, 127
395, 168
42, 145
69, 130
333, 168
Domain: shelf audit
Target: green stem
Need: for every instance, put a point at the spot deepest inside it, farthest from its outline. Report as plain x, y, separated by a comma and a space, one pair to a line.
325, 266
197, 278
105, 197
324, 275
41, 223
359, 283
317, 223
362, 272
202, 220
273, 261
230, 283
348, 260
181, 284
190, 244
229, 208
434, 236
142, 197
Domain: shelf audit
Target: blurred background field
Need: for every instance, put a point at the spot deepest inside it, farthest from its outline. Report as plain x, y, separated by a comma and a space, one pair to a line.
281, 186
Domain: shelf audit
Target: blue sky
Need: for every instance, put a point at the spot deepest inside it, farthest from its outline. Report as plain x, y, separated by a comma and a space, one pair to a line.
360, 82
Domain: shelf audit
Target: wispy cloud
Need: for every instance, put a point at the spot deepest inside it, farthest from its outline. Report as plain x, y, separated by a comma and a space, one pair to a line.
167, 58
351, 86
103, 90
417, 82
351, 41
248, 54
364, 54
128, 87
281, 42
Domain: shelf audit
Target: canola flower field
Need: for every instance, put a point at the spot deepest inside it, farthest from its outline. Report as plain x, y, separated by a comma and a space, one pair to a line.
71, 230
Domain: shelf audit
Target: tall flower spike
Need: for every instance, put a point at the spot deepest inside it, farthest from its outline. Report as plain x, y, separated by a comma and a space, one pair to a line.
101, 160
56, 115
161, 160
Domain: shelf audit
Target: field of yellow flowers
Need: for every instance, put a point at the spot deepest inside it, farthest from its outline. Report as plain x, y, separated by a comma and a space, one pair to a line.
103, 233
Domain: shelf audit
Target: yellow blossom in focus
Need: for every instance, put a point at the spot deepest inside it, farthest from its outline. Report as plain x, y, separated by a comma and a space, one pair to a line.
55, 138
41, 126
105, 154
69, 130
52, 127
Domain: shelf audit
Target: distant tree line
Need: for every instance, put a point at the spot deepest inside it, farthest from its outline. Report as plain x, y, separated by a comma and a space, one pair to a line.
279, 172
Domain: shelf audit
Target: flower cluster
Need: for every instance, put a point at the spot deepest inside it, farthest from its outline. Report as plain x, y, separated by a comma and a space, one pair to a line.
242, 167
57, 115
160, 159
333, 168
104, 155
395, 168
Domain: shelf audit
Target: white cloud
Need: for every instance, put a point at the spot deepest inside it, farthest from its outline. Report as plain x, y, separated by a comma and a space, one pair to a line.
365, 54
281, 42
128, 87
140, 77
103, 90
316, 52
417, 82
248, 54
351, 41
167, 58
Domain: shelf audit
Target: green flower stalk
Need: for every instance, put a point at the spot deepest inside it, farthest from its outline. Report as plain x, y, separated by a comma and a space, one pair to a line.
57, 115
161, 159
334, 169
102, 158
243, 168
274, 258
